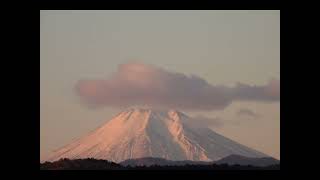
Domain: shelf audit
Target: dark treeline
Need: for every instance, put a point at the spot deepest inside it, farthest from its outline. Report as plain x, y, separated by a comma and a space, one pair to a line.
94, 164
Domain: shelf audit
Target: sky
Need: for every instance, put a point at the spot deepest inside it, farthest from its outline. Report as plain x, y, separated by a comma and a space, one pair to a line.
228, 63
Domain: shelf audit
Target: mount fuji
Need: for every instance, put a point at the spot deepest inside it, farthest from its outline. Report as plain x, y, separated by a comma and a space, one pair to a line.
138, 133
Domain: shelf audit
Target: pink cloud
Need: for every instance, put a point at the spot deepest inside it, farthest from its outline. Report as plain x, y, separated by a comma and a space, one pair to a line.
143, 84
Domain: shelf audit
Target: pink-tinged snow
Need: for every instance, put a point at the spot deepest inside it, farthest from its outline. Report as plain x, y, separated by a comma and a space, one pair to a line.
138, 133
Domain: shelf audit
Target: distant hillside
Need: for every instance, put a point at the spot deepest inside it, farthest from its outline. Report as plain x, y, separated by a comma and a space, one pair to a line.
242, 160
94, 164
230, 160
150, 161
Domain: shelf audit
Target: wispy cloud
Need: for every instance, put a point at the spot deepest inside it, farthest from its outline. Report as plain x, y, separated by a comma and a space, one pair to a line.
202, 121
247, 112
143, 84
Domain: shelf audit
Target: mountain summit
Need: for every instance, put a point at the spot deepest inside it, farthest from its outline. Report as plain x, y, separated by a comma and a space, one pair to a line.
138, 133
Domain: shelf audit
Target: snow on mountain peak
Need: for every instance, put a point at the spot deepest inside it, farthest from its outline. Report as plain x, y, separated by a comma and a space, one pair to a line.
145, 132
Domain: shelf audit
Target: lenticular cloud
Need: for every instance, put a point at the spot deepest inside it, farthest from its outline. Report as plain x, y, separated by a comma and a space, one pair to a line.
143, 84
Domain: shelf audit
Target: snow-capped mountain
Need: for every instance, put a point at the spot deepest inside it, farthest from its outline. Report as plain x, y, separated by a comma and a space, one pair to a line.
137, 133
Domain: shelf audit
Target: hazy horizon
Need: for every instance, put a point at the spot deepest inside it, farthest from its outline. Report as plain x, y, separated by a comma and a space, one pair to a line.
94, 64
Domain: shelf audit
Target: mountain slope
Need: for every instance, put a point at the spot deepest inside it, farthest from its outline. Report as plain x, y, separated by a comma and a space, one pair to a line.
137, 133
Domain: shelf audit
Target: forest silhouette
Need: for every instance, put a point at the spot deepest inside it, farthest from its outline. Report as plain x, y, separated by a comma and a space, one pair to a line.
95, 164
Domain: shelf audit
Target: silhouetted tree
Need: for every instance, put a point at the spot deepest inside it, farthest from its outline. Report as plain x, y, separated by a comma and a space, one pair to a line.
95, 164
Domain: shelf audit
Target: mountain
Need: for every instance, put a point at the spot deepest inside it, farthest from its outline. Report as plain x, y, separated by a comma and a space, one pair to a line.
138, 133
242, 160
149, 161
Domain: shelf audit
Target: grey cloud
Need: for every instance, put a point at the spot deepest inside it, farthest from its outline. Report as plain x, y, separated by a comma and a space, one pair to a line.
269, 92
202, 121
247, 112
143, 84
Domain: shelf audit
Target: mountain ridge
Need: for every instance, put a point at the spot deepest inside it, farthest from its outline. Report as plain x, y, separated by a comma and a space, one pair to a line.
230, 160
150, 161
242, 160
